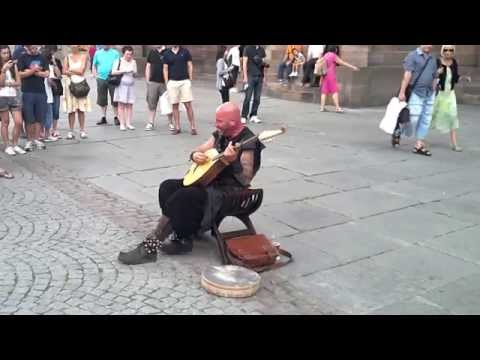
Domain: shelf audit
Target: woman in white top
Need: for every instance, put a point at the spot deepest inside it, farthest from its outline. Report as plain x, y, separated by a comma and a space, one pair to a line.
125, 92
10, 101
55, 82
75, 65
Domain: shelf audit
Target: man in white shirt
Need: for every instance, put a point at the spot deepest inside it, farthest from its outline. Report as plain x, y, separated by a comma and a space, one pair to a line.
314, 53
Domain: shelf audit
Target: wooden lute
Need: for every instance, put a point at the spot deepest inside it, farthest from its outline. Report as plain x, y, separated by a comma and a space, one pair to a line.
204, 174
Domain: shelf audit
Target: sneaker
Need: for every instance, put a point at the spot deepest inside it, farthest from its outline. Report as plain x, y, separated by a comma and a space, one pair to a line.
171, 127
454, 148
122, 128
83, 135
19, 150
130, 127
29, 146
40, 145
103, 121
255, 119
244, 120
9, 151
175, 246
292, 74
51, 138
149, 127
70, 136
139, 255
116, 121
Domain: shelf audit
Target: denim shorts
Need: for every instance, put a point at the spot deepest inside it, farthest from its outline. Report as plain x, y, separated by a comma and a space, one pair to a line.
34, 107
10, 103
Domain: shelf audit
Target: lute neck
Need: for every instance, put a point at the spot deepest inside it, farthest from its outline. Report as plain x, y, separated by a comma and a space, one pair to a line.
238, 146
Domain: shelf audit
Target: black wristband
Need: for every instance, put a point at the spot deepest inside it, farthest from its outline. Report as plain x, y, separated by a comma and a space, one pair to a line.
191, 155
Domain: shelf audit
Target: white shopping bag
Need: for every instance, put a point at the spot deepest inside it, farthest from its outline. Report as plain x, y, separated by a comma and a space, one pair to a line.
389, 121
165, 106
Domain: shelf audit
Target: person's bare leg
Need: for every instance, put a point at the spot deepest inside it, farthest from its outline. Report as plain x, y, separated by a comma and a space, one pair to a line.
30, 129
121, 114
81, 120
191, 118
336, 102
129, 111
170, 119
453, 137
71, 121
323, 99
151, 116
176, 116
4, 116
38, 130
104, 111
17, 128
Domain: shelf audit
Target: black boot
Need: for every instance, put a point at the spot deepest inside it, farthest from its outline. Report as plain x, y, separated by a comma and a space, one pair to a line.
103, 121
396, 137
175, 246
139, 255
116, 121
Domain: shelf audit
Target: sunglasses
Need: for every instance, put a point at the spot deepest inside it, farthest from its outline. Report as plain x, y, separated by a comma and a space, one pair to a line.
445, 50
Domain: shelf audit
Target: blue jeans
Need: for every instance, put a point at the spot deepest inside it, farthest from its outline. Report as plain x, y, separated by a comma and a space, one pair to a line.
255, 85
421, 110
281, 70
56, 108
47, 124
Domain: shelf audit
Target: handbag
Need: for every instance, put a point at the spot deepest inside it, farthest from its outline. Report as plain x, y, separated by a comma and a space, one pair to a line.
228, 80
57, 87
115, 80
320, 70
79, 90
256, 252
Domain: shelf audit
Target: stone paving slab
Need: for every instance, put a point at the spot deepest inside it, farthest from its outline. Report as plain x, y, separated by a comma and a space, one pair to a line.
412, 225
362, 203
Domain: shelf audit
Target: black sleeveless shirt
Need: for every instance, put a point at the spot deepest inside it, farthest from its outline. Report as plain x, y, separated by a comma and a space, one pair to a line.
229, 175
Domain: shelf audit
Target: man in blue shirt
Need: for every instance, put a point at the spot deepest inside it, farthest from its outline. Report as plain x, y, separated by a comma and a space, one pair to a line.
19, 51
421, 73
33, 69
102, 67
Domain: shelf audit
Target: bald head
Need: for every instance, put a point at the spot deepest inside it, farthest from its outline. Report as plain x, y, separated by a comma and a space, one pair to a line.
227, 119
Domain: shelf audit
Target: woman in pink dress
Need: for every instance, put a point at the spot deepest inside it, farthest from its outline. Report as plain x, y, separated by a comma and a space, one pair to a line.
329, 81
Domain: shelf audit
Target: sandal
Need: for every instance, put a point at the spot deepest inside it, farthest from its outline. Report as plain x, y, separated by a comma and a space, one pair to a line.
176, 132
5, 174
194, 132
340, 111
422, 151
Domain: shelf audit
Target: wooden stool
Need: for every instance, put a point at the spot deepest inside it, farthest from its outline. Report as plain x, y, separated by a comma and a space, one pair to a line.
240, 205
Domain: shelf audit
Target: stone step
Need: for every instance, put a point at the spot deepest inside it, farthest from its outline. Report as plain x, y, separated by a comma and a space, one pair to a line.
470, 99
472, 88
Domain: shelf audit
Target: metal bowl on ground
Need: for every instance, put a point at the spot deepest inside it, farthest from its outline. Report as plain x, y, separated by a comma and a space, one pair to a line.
230, 281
